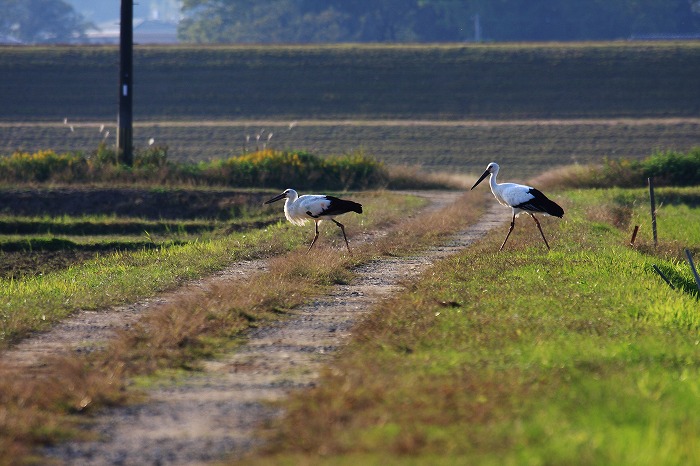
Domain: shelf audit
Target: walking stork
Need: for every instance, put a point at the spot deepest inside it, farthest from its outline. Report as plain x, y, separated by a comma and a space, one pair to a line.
316, 207
520, 198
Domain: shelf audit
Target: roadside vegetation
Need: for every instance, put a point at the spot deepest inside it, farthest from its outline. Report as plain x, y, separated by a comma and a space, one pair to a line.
177, 336
125, 274
457, 147
266, 168
260, 169
581, 355
144, 240
667, 168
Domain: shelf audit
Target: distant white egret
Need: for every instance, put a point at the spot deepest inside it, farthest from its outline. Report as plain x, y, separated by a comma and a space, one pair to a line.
316, 207
520, 198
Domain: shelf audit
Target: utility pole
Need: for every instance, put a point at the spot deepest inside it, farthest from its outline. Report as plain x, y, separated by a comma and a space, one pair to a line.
126, 64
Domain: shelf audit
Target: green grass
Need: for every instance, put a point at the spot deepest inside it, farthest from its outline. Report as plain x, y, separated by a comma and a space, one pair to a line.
577, 356
677, 213
110, 225
53, 227
36, 302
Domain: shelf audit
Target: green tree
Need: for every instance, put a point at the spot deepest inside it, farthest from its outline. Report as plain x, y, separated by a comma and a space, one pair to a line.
377, 20
433, 20
41, 21
257, 22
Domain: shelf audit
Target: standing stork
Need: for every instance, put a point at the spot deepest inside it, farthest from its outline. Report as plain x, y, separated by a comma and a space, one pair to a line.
520, 198
317, 207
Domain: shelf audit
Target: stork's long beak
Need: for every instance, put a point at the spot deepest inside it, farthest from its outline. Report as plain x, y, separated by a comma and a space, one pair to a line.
486, 173
276, 198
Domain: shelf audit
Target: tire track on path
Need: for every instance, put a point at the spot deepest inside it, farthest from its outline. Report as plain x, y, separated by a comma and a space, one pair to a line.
214, 414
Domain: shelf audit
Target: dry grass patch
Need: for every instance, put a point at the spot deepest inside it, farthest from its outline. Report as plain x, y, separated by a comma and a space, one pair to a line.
429, 228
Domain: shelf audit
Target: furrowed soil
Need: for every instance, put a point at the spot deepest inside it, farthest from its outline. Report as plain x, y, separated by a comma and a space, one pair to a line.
457, 146
216, 413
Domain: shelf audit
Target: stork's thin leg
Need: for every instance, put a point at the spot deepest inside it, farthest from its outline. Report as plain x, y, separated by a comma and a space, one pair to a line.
512, 225
540, 228
315, 238
342, 227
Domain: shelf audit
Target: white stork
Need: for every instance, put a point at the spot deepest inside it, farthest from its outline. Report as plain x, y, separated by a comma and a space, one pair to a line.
316, 207
520, 198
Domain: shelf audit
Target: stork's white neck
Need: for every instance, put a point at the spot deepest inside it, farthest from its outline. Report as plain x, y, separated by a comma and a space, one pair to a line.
492, 180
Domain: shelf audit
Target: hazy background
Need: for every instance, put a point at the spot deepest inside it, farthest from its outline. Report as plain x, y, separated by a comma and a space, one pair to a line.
320, 21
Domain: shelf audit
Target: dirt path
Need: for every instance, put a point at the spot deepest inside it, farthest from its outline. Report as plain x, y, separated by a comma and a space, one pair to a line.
212, 414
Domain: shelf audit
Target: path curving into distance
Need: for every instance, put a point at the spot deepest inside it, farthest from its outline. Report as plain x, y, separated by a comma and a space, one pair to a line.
214, 414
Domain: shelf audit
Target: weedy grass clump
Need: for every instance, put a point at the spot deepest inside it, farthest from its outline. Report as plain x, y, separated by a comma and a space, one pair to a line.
667, 168
260, 169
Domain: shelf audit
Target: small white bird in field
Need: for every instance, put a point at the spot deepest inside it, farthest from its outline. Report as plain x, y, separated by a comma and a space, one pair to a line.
316, 207
520, 198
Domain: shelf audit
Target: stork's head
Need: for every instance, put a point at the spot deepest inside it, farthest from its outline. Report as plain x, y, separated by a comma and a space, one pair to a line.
287, 193
491, 169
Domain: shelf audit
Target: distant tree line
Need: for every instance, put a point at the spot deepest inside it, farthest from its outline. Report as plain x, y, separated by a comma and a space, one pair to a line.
313, 21
303, 21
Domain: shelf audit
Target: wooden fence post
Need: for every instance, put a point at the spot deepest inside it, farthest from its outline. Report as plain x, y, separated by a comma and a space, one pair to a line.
653, 209
634, 235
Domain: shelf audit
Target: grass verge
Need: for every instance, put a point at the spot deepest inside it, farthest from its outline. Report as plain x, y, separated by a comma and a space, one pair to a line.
39, 410
35, 303
577, 356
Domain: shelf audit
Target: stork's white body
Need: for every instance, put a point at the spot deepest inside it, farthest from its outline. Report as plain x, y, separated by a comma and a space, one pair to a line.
316, 207
299, 209
510, 194
520, 198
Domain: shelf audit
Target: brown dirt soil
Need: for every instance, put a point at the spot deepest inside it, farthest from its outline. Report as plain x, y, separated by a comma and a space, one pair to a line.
214, 414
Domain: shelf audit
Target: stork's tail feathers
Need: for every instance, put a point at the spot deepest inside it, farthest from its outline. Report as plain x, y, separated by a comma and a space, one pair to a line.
547, 205
354, 206
555, 210
342, 205
540, 203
